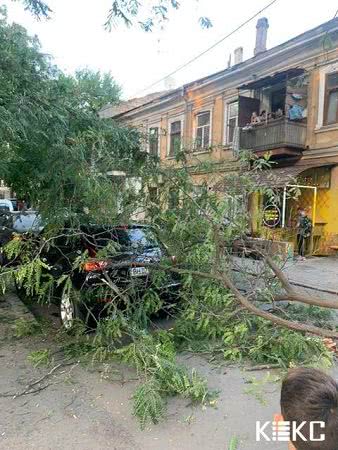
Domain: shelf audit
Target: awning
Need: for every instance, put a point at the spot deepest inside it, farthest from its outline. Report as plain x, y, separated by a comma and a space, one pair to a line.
284, 176
277, 177
273, 178
278, 77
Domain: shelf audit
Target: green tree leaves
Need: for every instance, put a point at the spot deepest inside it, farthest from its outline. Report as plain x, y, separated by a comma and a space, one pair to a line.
146, 15
56, 151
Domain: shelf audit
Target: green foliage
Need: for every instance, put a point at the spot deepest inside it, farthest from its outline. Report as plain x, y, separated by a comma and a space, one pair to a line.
38, 8
151, 303
207, 323
28, 277
33, 160
24, 327
234, 443
154, 358
27, 267
149, 403
128, 12
145, 15
108, 334
257, 386
287, 348
40, 358
204, 313
303, 313
148, 352
93, 90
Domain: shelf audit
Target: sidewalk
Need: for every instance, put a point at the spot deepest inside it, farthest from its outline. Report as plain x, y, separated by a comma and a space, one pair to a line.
12, 309
316, 273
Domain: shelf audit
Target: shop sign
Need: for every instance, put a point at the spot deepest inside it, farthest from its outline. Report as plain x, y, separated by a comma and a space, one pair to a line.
271, 216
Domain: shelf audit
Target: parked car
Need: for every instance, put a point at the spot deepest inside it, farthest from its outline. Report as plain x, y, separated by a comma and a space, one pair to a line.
136, 248
27, 222
14, 203
6, 205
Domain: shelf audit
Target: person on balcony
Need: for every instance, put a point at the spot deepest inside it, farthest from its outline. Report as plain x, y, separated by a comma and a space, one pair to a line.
263, 116
255, 119
279, 113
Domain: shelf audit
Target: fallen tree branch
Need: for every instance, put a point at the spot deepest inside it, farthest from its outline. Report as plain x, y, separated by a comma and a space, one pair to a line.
275, 319
262, 367
28, 389
226, 281
279, 274
308, 300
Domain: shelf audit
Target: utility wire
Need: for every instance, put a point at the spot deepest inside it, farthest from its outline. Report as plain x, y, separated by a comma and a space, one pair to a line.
208, 49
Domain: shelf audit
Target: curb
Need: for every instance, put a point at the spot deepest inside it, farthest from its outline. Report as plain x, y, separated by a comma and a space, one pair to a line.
13, 308
314, 288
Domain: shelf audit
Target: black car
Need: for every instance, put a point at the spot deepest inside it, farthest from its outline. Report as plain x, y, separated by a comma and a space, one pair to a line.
117, 269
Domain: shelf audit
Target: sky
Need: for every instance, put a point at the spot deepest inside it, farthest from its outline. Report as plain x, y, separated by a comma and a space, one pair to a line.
76, 38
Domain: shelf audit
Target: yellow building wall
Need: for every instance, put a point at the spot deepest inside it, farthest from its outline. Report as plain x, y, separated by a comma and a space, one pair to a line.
327, 205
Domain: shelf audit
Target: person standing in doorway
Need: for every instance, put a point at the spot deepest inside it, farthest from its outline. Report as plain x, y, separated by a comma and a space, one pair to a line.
304, 228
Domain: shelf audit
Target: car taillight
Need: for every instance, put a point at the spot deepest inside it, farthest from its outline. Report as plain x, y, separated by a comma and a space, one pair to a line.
95, 266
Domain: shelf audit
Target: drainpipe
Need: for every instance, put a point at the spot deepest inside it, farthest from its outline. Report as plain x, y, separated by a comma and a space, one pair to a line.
284, 207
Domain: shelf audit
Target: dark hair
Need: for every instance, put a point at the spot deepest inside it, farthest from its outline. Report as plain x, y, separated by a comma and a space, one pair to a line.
311, 395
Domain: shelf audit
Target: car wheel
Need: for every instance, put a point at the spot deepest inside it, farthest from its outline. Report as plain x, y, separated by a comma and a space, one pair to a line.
70, 310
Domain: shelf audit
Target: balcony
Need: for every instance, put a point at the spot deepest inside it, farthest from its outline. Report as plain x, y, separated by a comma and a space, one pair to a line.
281, 137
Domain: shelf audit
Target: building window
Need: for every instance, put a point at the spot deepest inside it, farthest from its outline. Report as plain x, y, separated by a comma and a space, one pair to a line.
203, 130
154, 141
235, 209
331, 99
232, 121
174, 198
175, 137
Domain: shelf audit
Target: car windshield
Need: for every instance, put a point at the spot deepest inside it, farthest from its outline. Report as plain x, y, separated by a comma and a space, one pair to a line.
27, 222
136, 238
141, 238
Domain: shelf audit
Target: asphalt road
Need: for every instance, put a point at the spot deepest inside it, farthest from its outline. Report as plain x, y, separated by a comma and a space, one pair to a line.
90, 407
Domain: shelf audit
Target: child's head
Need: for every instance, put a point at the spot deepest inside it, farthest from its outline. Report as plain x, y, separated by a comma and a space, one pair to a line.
311, 395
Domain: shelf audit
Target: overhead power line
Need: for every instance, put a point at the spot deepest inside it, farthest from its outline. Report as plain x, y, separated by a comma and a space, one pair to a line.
183, 66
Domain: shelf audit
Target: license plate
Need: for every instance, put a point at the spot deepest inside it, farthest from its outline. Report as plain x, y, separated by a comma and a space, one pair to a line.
139, 271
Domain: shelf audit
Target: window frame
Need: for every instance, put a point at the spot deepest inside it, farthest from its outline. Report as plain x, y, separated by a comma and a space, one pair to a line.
152, 127
173, 198
227, 118
172, 121
202, 148
327, 93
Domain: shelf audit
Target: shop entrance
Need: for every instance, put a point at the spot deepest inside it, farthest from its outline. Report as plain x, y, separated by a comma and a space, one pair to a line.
280, 214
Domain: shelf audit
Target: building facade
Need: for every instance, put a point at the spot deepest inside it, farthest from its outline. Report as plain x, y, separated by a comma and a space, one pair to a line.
283, 101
